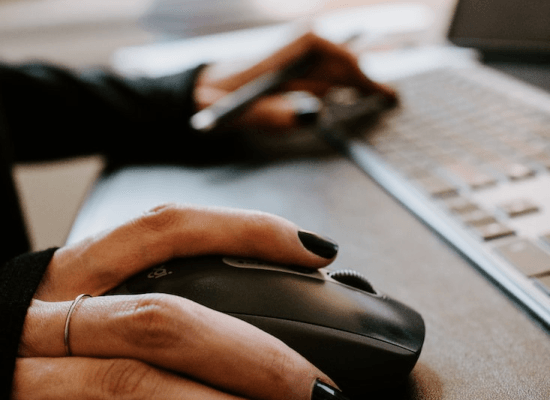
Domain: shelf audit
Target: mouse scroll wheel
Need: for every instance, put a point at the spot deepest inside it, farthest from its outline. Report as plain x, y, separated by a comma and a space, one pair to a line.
352, 278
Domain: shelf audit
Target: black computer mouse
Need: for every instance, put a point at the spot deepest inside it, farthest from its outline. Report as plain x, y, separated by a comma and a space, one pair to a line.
361, 338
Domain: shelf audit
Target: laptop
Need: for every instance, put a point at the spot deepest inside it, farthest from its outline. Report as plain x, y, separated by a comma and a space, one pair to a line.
468, 149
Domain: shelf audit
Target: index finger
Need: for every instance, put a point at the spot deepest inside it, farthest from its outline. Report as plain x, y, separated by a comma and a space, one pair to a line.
100, 263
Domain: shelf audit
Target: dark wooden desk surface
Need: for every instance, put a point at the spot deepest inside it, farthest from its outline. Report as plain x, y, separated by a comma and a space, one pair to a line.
479, 344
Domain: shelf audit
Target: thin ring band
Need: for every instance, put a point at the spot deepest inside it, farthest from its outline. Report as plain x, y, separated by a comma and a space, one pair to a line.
71, 310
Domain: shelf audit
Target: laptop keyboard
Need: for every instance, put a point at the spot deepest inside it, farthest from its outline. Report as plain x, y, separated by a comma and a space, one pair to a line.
473, 164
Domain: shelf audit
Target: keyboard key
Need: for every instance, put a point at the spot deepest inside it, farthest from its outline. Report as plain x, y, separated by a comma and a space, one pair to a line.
519, 207
460, 205
546, 238
493, 231
478, 218
471, 176
526, 257
528, 150
542, 158
437, 187
415, 172
514, 171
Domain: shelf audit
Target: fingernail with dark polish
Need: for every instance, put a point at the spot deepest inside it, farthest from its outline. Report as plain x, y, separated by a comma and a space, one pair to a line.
322, 391
318, 245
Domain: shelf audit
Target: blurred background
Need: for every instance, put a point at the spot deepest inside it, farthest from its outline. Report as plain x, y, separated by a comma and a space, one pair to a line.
86, 33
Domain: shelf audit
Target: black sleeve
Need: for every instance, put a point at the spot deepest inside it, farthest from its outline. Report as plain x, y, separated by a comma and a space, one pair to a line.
19, 279
53, 113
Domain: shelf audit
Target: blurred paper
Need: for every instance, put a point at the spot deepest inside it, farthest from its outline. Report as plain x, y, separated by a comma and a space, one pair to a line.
372, 24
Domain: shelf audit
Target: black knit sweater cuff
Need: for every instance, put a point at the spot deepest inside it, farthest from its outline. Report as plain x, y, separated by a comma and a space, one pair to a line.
19, 279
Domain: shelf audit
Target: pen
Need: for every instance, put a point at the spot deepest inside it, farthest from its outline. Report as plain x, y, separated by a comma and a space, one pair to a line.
233, 103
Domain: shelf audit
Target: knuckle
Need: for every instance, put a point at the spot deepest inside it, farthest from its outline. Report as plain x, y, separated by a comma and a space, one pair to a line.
124, 379
264, 227
278, 365
160, 218
309, 38
150, 322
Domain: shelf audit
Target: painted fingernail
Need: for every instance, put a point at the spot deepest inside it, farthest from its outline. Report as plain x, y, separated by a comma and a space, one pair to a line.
318, 245
322, 391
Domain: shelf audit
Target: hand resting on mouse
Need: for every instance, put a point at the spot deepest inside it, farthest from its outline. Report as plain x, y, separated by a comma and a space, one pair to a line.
157, 345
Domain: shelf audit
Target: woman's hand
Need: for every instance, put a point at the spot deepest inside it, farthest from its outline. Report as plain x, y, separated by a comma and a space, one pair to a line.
159, 345
335, 66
